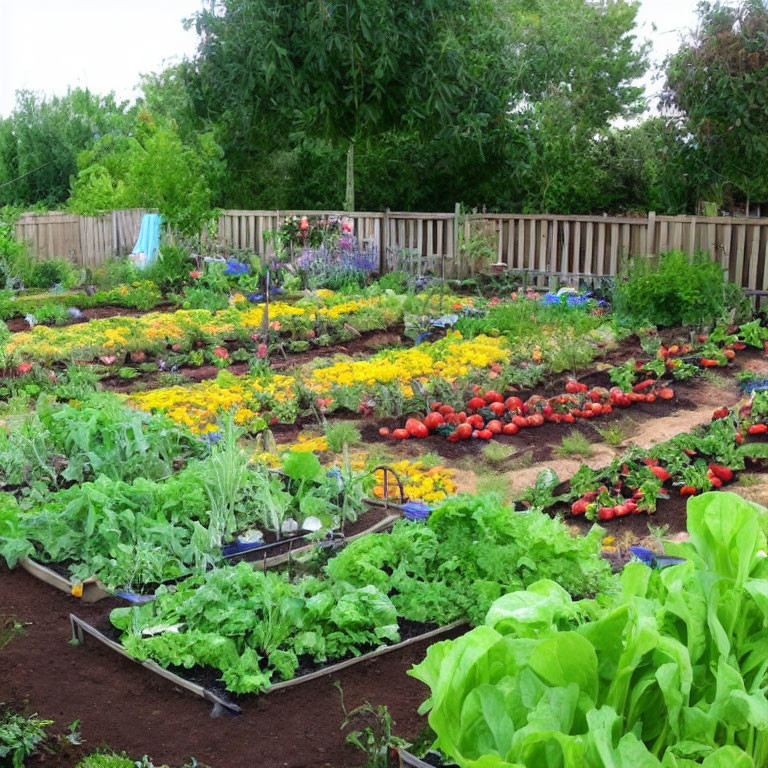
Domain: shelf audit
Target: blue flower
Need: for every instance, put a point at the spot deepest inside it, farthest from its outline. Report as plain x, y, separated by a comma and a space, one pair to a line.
235, 267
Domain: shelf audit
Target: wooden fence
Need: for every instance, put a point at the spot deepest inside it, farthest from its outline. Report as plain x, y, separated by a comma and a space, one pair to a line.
85, 240
450, 244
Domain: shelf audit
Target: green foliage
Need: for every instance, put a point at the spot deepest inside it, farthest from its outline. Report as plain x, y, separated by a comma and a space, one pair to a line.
341, 434
171, 268
124, 172
41, 139
674, 290
471, 551
384, 64
575, 444
20, 737
253, 625
670, 671
45, 274
718, 81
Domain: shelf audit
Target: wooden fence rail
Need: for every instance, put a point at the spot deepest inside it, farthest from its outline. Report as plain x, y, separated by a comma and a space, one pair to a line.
450, 244
85, 240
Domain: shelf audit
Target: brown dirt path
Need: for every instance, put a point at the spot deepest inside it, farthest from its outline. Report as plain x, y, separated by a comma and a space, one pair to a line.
126, 707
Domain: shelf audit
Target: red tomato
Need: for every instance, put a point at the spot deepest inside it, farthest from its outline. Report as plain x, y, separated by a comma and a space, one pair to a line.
433, 421
607, 513
510, 429
436, 406
445, 409
384, 431
535, 420
464, 431
572, 387
476, 403
400, 434
513, 403
497, 408
412, 424
476, 420
485, 434
420, 432
520, 421
491, 396
494, 426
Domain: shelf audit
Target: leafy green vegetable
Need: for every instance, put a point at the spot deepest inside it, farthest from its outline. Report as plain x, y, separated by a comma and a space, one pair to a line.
472, 550
671, 673
253, 626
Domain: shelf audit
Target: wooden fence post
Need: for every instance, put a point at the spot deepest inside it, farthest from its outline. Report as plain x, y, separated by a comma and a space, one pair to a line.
456, 223
651, 238
384, 245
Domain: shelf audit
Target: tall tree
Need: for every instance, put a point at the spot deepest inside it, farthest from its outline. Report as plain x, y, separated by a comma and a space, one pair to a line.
40, 141
349, 70
718, 83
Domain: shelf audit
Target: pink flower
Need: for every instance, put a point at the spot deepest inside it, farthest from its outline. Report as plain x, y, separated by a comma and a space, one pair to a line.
275, 325
262, 350
221, 352
346, 226
312, 334
494, 302
304, 223
24, 368
194, 274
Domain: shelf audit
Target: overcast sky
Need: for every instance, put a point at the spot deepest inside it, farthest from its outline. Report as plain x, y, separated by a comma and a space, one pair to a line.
47, 45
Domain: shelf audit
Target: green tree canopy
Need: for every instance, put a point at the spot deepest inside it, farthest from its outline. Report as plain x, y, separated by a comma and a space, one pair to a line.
151, 168
40, 141
349, 70
718, 82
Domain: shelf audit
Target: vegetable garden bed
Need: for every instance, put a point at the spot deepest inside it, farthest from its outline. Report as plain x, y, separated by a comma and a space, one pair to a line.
200, 683
92, 590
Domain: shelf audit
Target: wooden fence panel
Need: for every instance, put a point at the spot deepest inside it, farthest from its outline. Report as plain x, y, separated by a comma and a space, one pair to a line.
557, 245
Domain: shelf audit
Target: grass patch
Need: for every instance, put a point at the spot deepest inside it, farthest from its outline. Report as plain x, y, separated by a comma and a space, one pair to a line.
496, 453
748, 481
340, 434
613, 435
575, 444
715, 379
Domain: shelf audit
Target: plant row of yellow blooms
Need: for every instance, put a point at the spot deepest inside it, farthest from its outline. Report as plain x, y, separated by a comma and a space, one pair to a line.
156, 330
198, 406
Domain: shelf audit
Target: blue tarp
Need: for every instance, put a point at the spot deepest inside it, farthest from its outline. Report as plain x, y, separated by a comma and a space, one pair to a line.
145, 251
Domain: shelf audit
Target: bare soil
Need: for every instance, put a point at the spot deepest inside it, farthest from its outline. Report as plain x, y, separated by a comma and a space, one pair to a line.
18, 324
122, 705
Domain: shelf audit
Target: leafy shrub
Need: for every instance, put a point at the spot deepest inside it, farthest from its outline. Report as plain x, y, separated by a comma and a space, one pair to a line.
340, 434
51, 313
203, 298
45, 274
171, 269
116, 270
671, 291
20, 737
394, 281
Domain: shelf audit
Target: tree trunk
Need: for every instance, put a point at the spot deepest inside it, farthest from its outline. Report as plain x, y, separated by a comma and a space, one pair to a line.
349, 200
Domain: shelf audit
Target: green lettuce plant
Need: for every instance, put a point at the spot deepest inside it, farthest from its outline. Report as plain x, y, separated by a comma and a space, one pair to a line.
672, 673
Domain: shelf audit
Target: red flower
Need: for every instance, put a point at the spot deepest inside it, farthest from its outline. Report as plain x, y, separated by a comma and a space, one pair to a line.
275, 325
262, 350
221, 352
194, 274
304, 223
24, 367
